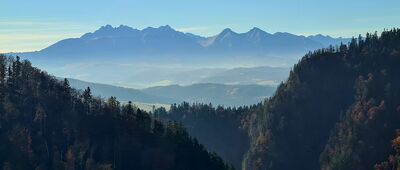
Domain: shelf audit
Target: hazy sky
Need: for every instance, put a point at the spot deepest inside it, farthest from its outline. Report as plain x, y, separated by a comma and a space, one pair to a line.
27, 25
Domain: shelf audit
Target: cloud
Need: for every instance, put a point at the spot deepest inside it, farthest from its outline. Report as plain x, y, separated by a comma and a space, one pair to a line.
23, 35
161, 83
22, 26
29, 42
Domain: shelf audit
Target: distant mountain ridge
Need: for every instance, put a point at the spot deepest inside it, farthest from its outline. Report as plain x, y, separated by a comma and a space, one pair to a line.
124, 41
123, 94
218, 94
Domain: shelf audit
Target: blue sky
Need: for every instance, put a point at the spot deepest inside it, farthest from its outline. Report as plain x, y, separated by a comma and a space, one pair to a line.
27, 25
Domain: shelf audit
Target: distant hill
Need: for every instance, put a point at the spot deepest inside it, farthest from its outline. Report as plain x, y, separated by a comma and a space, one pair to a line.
228, 95
217, 94
255, 75
122, 94
143, 76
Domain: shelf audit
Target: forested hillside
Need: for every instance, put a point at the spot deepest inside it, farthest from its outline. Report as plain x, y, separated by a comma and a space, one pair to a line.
45, 124
339, 109
219, 129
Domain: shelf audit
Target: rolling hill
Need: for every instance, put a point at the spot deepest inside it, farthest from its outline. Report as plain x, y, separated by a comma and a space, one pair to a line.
218, 94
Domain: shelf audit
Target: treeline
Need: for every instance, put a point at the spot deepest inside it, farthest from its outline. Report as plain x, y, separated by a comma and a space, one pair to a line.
45, 124
339, 109
220, 129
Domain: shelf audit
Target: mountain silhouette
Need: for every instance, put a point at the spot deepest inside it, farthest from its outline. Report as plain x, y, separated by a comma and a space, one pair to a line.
164, 41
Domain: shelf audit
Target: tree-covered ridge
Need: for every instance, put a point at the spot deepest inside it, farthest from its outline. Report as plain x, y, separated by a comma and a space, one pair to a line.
45, 124
220, 129
337, 110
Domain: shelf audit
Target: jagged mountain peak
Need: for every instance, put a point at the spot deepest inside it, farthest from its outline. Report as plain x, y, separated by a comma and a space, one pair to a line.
226, 35
257, 34
227, 31
109, 28
110, 31
106, 27
319, 36
166, 27
256, 29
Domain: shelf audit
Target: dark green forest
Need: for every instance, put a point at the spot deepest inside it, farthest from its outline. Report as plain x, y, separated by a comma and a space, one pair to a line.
45, 124
339, 109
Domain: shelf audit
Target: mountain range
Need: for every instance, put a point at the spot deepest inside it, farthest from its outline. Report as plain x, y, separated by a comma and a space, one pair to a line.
130, 57
124, 41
